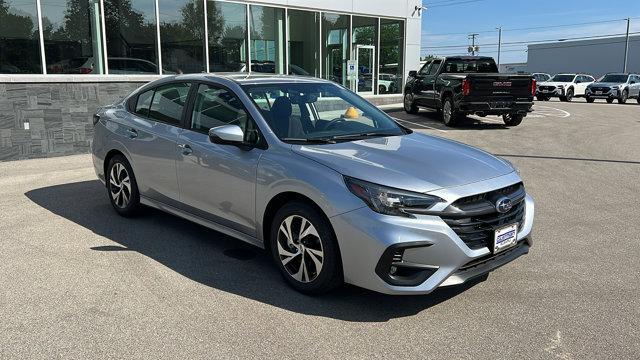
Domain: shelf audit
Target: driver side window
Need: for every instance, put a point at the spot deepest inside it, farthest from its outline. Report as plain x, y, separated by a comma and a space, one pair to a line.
425, 68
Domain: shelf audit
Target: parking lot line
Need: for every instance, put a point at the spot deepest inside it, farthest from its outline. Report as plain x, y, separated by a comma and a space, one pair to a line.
418, 124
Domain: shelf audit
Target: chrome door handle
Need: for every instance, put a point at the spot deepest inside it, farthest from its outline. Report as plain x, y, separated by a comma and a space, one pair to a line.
186, 149
132, 133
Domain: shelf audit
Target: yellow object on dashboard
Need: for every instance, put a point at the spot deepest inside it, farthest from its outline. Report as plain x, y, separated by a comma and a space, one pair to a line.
351, 113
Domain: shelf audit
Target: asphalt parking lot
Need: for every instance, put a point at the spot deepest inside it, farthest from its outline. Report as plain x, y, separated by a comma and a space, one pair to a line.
77, 281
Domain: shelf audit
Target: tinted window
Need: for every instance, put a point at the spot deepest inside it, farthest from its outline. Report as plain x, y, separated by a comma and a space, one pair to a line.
19, 40
227, 36
470, 66
182, 36
168, 102
563, 78
434, 67
425, 68
142, 105
216, 107
267, 39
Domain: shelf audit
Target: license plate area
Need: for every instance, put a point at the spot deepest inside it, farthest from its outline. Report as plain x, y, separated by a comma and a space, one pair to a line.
598, 92
499, 104
505, 237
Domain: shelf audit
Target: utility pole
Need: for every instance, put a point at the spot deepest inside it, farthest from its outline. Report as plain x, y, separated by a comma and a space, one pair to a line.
499, 43
626, 46
473, 43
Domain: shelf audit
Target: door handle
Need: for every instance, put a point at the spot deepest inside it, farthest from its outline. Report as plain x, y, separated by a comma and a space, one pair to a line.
186, 149
132, 133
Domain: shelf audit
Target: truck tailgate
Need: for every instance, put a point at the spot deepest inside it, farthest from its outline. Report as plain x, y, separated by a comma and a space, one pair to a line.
500, 85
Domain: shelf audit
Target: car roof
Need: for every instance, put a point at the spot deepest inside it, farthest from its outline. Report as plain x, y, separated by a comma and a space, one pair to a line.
252, 78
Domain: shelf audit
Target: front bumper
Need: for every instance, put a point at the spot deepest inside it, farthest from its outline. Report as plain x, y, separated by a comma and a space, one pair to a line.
611, 94
364, 235
550, 93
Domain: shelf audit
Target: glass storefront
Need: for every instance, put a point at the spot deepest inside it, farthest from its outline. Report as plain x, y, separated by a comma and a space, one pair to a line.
19, 39
335, 47
178, 36
267, 39
304, 43
132, 41
227, 26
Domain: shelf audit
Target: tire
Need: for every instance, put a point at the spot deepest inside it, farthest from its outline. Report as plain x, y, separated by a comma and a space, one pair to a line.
638, 99
409, 105
610, 101
122, 187
590, 99
623, 97
569, 95
299, 259
542, 98
381, 89
449, 112
512, 119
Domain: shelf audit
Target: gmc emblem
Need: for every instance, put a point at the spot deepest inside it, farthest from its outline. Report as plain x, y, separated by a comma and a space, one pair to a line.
502, 83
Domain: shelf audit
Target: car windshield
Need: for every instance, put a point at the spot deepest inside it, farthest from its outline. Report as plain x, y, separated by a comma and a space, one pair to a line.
563, 78
612, 78
319, 113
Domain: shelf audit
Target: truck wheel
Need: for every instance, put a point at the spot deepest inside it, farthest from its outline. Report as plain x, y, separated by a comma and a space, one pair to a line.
590, 99
409, 105
449, 112
623, 98
512, 119
609, 100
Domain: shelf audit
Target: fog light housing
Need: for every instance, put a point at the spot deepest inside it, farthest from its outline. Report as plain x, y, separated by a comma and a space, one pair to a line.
394, 270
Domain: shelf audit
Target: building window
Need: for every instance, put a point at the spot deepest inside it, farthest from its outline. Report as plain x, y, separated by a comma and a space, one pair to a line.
304, 47
335, 47
267, 39
19, 38
131, 36
72, 36
365, 40
227, 26
182, 36
391, 54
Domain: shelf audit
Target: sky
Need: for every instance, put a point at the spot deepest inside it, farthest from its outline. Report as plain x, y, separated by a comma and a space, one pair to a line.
447, 24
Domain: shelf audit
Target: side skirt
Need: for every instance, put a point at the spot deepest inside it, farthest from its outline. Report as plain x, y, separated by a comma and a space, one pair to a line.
200, 221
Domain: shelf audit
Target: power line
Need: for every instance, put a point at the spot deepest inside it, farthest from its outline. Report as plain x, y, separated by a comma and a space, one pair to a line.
530, 41
442, 4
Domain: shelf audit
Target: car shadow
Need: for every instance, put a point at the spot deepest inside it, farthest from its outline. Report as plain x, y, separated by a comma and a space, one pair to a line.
219, 261
464, 122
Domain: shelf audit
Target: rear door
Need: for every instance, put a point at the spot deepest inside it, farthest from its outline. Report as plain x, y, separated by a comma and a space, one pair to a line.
634, 85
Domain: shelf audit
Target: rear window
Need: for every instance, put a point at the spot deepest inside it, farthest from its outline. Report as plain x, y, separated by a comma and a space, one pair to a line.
470, 66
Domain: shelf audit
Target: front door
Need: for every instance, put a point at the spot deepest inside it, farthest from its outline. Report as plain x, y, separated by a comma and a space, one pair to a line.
217, 182
365, 65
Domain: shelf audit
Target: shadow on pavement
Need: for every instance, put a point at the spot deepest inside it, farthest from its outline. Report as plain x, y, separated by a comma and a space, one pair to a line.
218, 261
433, 119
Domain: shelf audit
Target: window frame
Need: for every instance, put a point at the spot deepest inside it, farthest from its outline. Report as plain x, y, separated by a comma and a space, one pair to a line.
133, 102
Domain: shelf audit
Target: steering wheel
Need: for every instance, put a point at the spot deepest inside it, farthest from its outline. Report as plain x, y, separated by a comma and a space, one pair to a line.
333, 122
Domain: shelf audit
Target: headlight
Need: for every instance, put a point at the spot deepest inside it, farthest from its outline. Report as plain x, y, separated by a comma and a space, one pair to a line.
390, 201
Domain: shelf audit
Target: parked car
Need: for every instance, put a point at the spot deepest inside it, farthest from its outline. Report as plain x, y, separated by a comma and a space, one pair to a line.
331, 185
564, 86
463, 85
541, 77
615, 86
387, 83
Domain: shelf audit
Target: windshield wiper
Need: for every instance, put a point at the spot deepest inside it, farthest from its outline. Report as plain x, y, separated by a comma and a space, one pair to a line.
310, 141
362, 135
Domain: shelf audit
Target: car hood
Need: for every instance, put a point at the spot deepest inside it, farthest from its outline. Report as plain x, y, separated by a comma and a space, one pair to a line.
609, 84
553, 83
415, 162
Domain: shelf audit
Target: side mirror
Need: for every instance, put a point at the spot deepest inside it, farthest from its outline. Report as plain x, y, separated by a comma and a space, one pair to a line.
413, 73
227, 134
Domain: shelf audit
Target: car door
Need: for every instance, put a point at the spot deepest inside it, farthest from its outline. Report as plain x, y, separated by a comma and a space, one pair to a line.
217, 182
152, 137
634, 85
419, 94
429, 83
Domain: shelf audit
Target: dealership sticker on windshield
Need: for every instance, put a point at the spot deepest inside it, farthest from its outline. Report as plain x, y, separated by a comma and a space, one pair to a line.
505, 237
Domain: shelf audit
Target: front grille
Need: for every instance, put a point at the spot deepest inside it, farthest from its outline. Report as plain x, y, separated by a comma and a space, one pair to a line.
474, 218
548, 88
603, 89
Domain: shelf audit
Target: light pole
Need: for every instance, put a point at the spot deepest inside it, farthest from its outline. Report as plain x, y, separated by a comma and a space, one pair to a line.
626, 46
473, 43
499, 43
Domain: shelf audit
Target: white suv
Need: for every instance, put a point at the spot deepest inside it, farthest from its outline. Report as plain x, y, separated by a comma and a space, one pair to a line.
564, 86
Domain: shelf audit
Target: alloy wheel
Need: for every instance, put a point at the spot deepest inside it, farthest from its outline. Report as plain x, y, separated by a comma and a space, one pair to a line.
408, 102
446, 112
120, 185
300, 248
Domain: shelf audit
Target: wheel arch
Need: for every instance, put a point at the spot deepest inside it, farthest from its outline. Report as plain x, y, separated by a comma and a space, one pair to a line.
108, 156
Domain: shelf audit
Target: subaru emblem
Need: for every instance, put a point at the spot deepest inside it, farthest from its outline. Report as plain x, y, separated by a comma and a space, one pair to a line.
503, 205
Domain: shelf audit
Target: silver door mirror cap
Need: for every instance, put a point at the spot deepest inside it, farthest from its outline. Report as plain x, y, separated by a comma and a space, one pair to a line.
226, 134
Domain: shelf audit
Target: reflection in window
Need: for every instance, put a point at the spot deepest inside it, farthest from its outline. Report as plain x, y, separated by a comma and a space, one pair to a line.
217, 107
267, 39
365, 32
72, 33
335, 35
391, 57
182, 35
19, 38
168, 102
131, 36
227, 25
303, 43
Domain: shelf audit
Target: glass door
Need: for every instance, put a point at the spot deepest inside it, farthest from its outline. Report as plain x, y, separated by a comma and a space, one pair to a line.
365, 64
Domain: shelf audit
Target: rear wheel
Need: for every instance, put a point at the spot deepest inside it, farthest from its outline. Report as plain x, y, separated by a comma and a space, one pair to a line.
590, 99
409, 104
449, 113
305, 249
512, 119
623, 97
122, 187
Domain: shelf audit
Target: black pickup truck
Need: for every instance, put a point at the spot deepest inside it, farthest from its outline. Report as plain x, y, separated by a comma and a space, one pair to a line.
464, 85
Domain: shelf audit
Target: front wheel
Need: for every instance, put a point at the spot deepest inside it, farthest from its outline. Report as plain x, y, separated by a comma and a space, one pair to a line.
609, 101
122, 187
541, 98
512, 119
449, 113
623, 97
305, 249
409, 104
568, 97
590, 99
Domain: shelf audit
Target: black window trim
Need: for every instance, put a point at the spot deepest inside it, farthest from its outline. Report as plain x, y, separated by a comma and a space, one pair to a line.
133, 101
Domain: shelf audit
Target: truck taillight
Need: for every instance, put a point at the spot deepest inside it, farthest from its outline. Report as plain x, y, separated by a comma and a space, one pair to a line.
534, 87
466, 87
